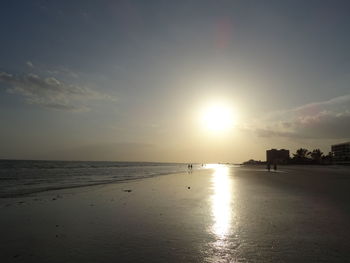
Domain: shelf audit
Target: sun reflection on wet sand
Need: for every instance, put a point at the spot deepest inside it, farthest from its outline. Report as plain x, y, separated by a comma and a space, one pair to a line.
222, 213
221, 201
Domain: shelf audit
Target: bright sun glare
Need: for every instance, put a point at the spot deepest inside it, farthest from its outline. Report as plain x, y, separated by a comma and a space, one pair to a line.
218, 117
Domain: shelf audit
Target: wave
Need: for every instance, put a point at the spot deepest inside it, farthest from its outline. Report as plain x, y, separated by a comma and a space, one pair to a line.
18, 178
42, 164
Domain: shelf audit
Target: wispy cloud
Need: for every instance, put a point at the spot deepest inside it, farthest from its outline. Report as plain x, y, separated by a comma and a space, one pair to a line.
57, 72
30, 64
50, 92
325, 119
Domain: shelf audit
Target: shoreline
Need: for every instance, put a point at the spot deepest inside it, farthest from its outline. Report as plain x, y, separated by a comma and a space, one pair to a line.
216, 215
56, 178
75, 190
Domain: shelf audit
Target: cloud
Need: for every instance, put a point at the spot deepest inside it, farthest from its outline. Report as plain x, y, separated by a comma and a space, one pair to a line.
51, 93
30, 64
62, 71
328, 119
54, 72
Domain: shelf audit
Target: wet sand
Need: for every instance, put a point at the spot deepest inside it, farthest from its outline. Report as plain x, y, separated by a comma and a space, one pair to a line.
225, 214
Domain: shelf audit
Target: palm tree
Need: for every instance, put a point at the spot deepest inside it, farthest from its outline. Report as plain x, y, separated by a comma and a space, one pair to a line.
328, 159
301, 154
316, 155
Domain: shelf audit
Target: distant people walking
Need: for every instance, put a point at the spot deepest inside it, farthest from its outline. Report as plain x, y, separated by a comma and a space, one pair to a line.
189, 168
268, 167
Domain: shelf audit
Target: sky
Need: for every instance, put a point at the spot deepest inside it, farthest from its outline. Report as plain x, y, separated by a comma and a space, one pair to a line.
132, 80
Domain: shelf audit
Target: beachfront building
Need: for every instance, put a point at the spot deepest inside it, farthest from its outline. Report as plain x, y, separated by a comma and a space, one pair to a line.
341, 153
277, 156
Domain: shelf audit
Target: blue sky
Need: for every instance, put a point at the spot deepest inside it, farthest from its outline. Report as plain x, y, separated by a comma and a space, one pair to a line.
121, 80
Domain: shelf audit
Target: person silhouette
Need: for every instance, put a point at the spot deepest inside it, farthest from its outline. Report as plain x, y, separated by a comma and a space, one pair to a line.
268, 166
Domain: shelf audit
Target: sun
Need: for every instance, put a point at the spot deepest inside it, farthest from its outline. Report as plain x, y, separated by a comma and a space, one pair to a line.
218, 117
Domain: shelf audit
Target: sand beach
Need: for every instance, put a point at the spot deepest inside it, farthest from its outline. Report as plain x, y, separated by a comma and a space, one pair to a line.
221, 214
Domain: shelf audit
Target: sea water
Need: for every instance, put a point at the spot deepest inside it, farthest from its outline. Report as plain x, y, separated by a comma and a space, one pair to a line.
20, 177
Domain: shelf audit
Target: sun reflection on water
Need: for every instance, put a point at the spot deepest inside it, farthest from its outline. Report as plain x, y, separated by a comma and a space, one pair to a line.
222, 249
221, 201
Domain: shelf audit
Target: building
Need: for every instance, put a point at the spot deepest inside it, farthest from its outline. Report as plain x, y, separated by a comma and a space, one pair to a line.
341, 153
277, 156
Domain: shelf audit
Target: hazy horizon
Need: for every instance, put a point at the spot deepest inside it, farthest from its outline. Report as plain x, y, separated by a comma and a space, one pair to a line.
172, 81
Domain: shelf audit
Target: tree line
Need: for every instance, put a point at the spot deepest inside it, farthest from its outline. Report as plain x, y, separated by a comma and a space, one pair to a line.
315, 156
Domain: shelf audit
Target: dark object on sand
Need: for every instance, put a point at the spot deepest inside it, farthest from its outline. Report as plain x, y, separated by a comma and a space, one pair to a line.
188, 187
128, 190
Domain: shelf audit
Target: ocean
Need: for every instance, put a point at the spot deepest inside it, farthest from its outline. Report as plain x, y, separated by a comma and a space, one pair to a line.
21, 177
